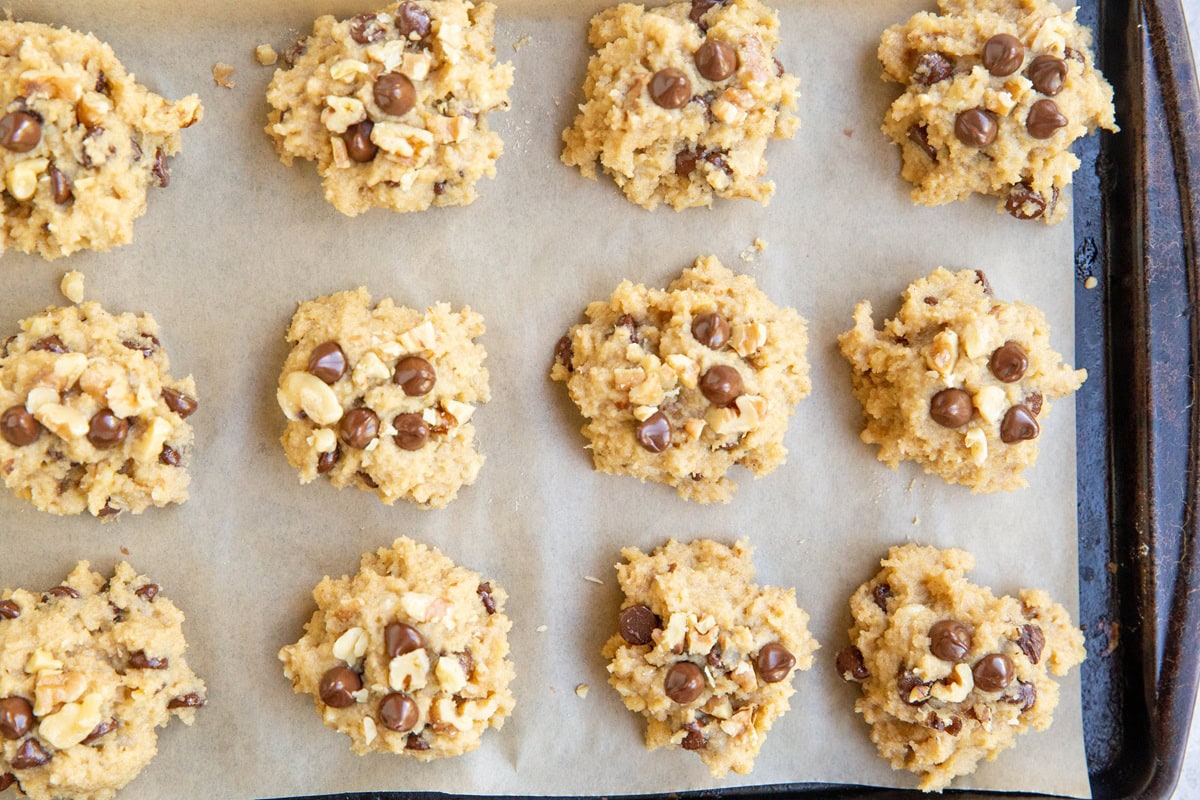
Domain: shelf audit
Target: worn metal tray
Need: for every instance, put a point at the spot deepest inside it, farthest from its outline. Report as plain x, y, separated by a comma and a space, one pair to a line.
1137, 231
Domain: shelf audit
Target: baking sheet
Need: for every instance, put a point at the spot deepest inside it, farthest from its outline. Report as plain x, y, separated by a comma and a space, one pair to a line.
224, 255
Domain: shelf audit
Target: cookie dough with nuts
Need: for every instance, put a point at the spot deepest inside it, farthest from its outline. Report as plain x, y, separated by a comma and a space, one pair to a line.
90, 418
997, 91
679, 385
393, 105
382, 397
409, 656
950, 673
80, 141
957, 381
704, 653
88, 671
680, 101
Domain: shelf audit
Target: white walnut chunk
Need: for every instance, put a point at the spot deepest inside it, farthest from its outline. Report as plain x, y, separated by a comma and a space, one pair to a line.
93, 109
150, 443
741, 722
401, 140
977, 336
674, 633
955, 687
72, 724
687, 370
303, 391
369, 730
68, 368
40, 396
409, 672
40, 660
417, 605
54, 687
63, 421
323, 440
342, 112
942, 354
719, 706
22, 177
625, 378
369, 369
990, 401
976, 442
72, 287
643, 413
743, 676
415, 66
450, 674
347, 69
351, 646
748, 338
693, 428
461, 412
389, 55
422, 337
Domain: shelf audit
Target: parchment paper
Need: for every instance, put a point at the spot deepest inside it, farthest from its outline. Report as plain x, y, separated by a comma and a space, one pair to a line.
224, 255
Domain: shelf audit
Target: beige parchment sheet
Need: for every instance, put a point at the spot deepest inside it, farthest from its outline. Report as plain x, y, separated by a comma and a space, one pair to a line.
226, 252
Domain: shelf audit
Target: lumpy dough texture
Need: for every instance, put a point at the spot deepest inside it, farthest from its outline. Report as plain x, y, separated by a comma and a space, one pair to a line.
409, 656
957, 381
80, 141
1027, 96
88, 671
950, 673
393, 105
711, 138
90, 418
679, 385
704, 653
382, 397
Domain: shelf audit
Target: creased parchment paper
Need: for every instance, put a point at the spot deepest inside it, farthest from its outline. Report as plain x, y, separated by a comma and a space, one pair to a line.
226, 252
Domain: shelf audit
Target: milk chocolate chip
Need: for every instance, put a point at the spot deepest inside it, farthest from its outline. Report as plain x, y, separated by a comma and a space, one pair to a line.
654, 434
395, 94
1047, 74
1044, 119
338, 686
398, 712
1003, 54
716, 60
637, 624
774, 662
20, 131
327, 362
358, 427
976, 127
1018, 425
106, 429
951, 408
670, 88
19, 428
711, 330
415, 375
994, 672
684, 682
1009, 362
950, 640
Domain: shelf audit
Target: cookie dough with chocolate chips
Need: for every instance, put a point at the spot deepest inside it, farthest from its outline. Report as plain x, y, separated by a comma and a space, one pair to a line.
393, 105
950, 673
957, 381
704, 653
88, 671
381, 397
409, 656
997, 91
90, 418
80, 141
681, 100
680, 385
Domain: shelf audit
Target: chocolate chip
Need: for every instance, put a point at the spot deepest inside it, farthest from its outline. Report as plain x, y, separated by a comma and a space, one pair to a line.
16, 717
411, 431
400, 638
327, 461
1031, 640
60, 186
1048, 74
148, 592
1074, 55
1044, 119
19, 428
169, 456
191, 700
1003, 54
298, 48
358, 427
700, 8
976, 127
62, 591
179, 402
1008, 362
395, 94
365, 29
951, 408
366, 478
20, 131
398, 712
716, 60
919, 134
7, 779
685, 162
148, 347
108, 510
913, 690
338, 686
670, 88
103, 729
9, 609
139, 660
850, 665
359, 146
721, 385
774, 662
931, 301
950, 640
717, 159
107, 430
711, 330
626, 321
161, 169
993, 672
415, 375
414, 742
136, 147
637, 624
694, 740
1018, 425
31, 754
412, 19
881, 594
439, 188
564, 352
1025, 696
102, 83
982, 279
654, 433
684, 682
1034, 403
484, 590
1024, 203
327, 362
50, 344
933, 68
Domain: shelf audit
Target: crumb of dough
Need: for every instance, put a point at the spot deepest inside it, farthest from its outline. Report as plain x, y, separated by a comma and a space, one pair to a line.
519, 43
753, 250
593, 579
581, 691
223, 75
265, 55
542, 628
1091, 282
72, 286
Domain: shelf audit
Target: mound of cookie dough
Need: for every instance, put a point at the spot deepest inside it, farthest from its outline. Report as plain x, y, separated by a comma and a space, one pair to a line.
381, 397
409, 656
90, 418
950, 673
997, 91
703, 653
681, 100
957, 381
393, 105
80, 141
88, 671
680, 385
